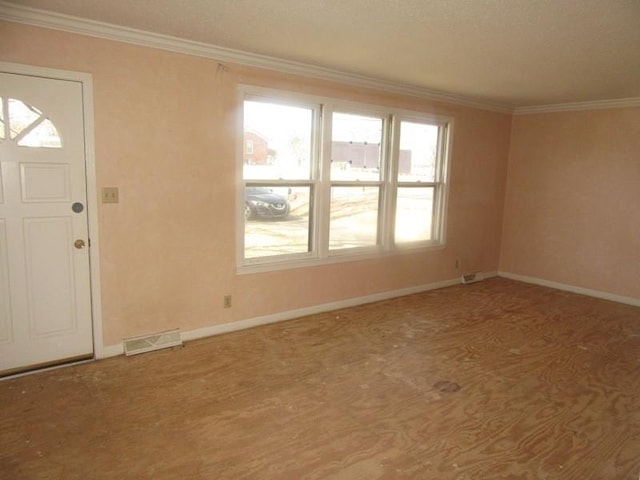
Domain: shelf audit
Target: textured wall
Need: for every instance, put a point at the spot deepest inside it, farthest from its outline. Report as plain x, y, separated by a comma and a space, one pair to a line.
572, 210
166, 135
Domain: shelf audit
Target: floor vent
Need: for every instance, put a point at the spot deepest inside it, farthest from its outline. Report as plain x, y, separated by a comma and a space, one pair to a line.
155, 341
472, 277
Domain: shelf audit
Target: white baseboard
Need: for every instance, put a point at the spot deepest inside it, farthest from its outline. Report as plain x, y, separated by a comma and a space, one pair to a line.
111, 351
115, 350
571, 288
118, 349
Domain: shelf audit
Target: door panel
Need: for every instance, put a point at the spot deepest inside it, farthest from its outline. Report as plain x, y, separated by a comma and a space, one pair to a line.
49, 276
45, 314
1, 182
42, 182
5, 298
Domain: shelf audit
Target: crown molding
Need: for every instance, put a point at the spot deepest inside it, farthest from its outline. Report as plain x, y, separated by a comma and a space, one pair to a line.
57, 21
577, 106
42, 18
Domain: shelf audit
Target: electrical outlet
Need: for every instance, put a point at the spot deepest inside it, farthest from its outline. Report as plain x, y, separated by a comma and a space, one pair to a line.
110, 195
227, 301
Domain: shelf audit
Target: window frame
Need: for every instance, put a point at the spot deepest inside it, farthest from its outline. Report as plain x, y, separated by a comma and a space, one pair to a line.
385, 159
440, 183
281, 98
320, 182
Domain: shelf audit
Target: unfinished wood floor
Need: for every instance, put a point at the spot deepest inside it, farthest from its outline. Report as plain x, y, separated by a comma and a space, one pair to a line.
496, 380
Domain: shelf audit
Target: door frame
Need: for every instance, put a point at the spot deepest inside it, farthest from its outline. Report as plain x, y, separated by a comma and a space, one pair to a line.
86, 81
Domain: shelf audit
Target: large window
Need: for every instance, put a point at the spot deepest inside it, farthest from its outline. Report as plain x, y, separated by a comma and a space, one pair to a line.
324, 181
278, 172
417, 181
357, 173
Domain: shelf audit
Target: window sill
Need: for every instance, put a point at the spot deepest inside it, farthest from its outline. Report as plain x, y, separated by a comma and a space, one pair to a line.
338, 257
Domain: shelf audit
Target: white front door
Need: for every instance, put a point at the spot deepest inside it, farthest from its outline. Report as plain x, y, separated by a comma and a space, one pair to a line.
45, 293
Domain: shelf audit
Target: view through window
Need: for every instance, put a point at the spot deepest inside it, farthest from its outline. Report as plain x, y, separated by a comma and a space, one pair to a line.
356, 174
277, 171
377, 185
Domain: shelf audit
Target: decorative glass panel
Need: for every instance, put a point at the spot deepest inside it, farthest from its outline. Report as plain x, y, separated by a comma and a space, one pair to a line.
21, 116
44, 135
27, 126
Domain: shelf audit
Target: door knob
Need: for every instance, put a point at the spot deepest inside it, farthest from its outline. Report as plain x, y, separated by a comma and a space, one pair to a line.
79, 244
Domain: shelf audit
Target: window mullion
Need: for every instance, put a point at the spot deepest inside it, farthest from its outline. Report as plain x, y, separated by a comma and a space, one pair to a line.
417, 184
323, 183
439, 154
392, 151
356, 183
441, 181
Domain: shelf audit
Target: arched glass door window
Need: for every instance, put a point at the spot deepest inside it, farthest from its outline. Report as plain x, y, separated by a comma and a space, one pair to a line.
26, 126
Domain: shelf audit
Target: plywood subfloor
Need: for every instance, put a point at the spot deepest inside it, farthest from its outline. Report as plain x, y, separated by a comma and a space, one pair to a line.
495, 380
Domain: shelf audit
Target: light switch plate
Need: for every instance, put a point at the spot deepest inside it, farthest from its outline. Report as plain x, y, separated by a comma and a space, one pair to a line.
110, 195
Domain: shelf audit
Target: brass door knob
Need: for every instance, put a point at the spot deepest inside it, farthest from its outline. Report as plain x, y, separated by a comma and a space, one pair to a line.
79, 244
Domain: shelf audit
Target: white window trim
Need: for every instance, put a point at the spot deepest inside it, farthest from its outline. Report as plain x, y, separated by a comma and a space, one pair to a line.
330, 107
320, 253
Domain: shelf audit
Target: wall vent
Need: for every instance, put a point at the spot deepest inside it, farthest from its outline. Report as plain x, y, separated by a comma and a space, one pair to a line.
154, 341
472, 277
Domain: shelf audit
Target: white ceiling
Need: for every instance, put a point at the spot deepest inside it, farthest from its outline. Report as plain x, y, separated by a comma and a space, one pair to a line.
514, 53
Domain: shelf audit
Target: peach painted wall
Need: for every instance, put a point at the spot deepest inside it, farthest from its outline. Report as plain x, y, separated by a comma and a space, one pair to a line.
572, 212
165, 131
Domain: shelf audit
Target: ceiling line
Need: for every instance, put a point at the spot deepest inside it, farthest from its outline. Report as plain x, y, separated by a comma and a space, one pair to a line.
576, 106
58, 21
